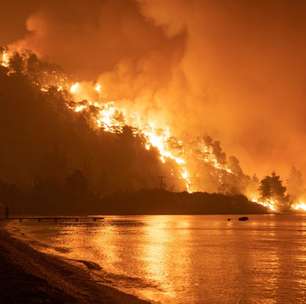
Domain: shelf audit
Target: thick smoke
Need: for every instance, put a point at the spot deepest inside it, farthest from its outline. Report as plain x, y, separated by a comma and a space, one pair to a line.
231, 69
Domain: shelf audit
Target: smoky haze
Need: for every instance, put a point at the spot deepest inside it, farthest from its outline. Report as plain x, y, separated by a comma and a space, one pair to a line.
232, 69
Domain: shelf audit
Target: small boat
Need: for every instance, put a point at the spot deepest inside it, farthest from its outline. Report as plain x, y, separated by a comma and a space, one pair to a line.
243, 218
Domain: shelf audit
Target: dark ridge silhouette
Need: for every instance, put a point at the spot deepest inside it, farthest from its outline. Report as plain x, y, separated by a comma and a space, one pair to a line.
165, 202
53, 200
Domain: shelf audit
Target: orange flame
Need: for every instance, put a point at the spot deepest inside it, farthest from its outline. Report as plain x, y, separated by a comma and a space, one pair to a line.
5, 59
113, 119
74, 88
271, 204
300, 206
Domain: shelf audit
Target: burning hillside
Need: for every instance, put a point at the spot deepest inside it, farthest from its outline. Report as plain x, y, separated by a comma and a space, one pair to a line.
196, 164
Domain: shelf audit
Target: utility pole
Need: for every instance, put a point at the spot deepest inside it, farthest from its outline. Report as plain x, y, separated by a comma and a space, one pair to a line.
161, 182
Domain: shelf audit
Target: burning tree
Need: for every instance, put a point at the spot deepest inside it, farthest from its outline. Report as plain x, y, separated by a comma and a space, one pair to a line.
272, 190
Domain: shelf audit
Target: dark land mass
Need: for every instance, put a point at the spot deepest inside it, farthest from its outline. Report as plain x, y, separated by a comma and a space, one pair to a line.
165, 202
156, 201
29, 277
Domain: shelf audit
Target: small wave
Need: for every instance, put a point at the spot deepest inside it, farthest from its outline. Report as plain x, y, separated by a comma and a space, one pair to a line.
114, 279
129, 281
89, 264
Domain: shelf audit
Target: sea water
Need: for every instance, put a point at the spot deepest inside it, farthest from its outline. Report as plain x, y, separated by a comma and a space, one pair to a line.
185, 259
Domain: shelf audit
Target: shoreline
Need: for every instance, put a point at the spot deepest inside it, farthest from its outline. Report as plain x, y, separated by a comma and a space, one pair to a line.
29, 276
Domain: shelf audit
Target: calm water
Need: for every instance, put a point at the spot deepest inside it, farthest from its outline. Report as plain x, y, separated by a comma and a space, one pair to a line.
188, 259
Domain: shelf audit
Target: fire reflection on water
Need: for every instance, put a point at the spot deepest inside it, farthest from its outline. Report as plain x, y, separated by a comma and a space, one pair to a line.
185, 259
157, 240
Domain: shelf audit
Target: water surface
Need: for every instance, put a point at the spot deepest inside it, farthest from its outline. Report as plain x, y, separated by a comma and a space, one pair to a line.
187, 259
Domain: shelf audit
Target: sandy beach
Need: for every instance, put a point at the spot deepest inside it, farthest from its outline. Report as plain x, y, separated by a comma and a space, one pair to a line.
29, 276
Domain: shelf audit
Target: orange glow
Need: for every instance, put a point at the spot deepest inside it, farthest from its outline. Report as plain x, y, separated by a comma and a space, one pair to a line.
5, 59
209, 157
300, 206
74, 88
98, 88
159, 139
80, 108
109, 118
271, 204
112, 118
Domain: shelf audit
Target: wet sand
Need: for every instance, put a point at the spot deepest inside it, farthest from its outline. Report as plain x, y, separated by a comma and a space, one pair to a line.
29, 276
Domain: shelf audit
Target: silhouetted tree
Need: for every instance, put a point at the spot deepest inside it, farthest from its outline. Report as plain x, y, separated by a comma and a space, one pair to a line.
33, 66
234, 165
214, 147
17, 63
2, 50
271, 187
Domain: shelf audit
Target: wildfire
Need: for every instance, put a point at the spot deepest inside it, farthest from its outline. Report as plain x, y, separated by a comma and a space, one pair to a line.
5, 59
159, 139
271, 204
74, 88
110, 118
208, 156
300, 206
113, 117
80, 108
98, 88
